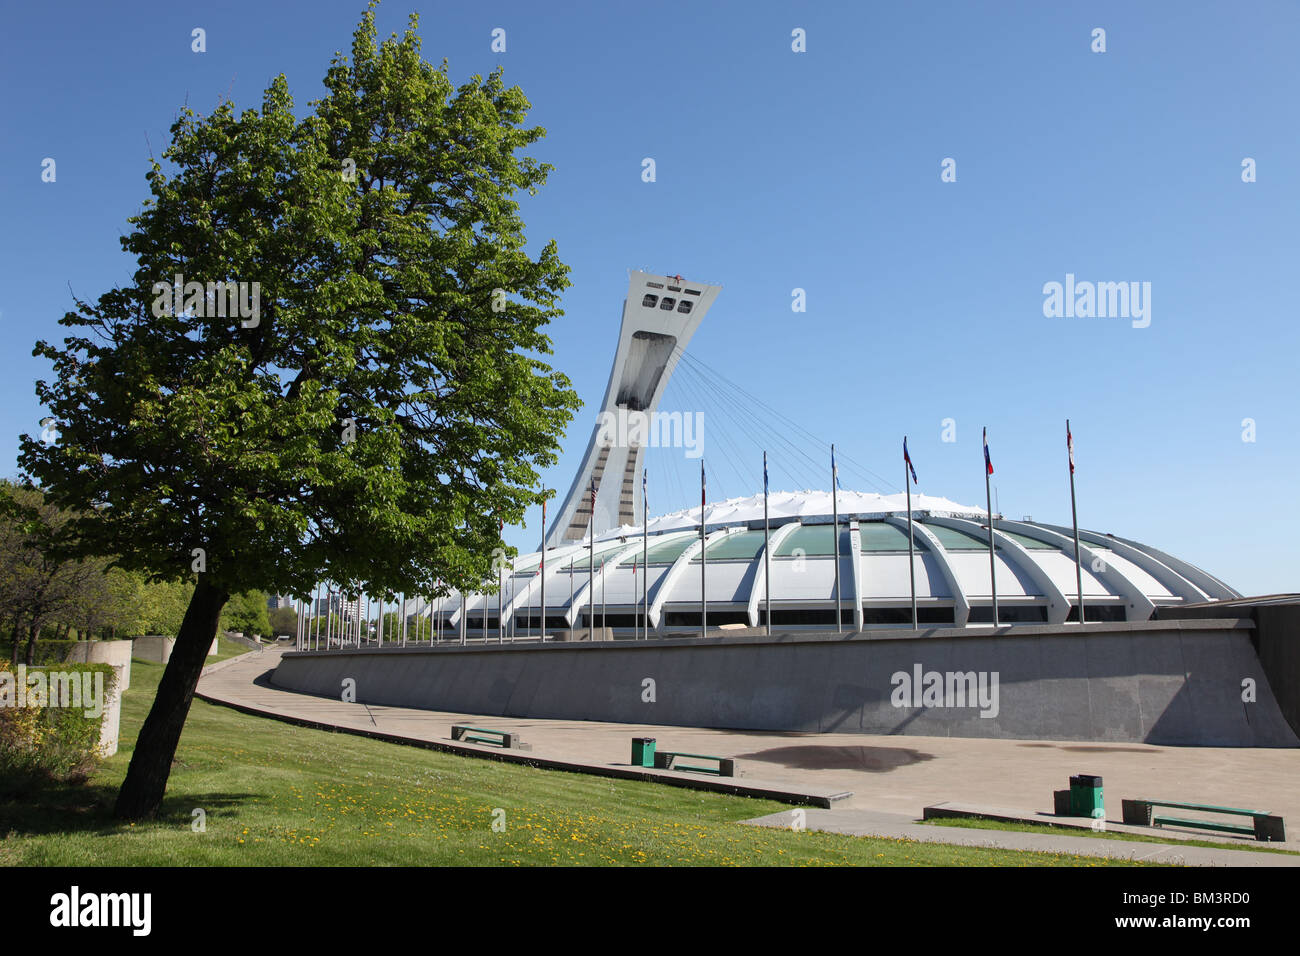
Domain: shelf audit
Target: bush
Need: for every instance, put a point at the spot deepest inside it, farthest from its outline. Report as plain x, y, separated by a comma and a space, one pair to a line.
41, 745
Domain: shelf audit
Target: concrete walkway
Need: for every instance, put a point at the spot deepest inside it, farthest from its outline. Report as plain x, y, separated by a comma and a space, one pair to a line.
895, 826
890, 778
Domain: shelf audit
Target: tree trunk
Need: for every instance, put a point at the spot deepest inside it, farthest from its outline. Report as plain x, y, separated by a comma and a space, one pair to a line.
151, 763
18, 624
33, 632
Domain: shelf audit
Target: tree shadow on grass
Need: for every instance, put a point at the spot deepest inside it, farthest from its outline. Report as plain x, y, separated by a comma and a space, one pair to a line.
89, 809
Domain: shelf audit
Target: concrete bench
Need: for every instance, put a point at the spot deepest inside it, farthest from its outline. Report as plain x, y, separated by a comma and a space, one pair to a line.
501, 738
1264, 826
667, 760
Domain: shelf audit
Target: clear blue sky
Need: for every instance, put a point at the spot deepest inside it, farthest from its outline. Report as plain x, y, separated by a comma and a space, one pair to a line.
818, 170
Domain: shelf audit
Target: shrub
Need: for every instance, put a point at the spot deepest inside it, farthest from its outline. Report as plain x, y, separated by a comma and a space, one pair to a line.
41, 745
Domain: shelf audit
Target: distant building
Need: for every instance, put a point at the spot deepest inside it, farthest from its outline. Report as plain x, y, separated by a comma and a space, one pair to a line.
336, 605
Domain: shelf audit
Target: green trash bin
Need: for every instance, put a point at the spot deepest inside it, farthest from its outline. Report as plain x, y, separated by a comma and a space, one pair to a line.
1086, 796
643, 751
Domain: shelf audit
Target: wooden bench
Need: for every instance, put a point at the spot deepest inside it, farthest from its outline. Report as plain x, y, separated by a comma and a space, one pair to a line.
501, 738
667, 760
1264, 826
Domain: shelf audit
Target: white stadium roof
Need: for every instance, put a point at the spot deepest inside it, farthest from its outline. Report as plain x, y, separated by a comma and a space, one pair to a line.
1122, 579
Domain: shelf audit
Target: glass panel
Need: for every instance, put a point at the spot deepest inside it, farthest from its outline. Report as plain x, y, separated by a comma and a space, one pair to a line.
1028, 542
878, 536
956, 540
605, 552
744, 546
815, 541
666, 552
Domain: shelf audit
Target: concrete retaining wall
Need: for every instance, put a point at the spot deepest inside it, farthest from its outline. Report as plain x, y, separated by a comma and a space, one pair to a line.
117, 653
1156, 682
153, 648
1276, 639
110, 723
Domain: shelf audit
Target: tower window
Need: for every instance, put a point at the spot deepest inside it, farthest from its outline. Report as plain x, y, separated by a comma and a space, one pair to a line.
667, 303
650, 301
684, 307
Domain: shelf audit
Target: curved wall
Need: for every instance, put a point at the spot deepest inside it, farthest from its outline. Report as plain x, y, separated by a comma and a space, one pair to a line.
1163, 682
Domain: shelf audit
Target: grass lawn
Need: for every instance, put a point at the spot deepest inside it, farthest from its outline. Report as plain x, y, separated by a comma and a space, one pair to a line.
274, 794
983, 824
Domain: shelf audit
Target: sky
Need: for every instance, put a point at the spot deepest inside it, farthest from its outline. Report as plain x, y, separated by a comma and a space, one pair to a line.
821, 170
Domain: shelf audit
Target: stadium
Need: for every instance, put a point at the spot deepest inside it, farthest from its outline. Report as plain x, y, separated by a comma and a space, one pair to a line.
661, 569
607, 575
793, 611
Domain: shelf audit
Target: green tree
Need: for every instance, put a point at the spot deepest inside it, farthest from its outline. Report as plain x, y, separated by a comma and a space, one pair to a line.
246, 613
284, 620
385, 403
40, 584
163, 605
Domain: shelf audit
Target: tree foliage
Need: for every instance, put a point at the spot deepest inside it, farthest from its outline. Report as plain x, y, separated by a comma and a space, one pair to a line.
380, 417
247, 614
385, 407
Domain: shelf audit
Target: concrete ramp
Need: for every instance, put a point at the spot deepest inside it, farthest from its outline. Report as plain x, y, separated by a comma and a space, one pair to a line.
1164, 682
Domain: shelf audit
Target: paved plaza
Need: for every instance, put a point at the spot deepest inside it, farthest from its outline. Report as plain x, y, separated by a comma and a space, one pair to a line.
891, 779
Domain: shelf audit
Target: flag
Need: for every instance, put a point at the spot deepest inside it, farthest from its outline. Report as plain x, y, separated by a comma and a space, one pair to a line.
764, 473
703, 487
835, 472
908, 460
1069, 444
645, 503
988, 462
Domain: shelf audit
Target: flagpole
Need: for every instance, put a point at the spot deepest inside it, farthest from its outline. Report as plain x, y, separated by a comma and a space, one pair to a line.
329, 620
911, 547
591, 567
542, 632
767, 573
645, 545
988, 504
704, 595
1074, 513
835, 513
